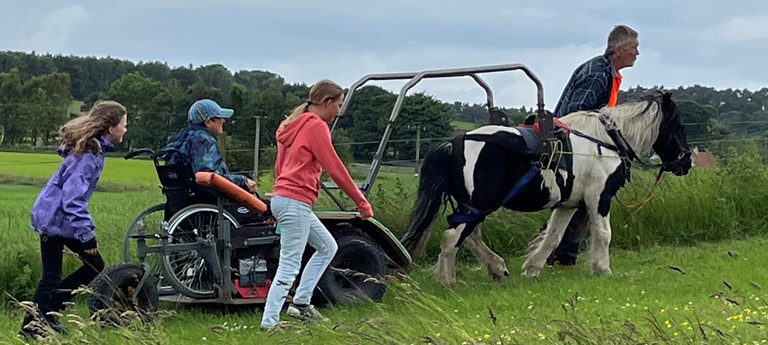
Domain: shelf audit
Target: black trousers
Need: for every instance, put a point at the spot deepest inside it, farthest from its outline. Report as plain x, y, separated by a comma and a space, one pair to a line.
52, 291
568, 249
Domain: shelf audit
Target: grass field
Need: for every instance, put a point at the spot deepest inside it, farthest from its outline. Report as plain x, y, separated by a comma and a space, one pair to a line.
35, 168
467, 126
709, 288
719, 300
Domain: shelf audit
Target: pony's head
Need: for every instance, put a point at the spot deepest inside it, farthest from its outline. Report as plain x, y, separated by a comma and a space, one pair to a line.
672, 145
651, 124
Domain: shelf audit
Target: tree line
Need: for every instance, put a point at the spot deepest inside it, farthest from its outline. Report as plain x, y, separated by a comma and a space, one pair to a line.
37, 92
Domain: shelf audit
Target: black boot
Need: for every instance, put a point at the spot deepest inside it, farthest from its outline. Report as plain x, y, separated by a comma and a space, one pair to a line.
55, 324
39, 327
31, 327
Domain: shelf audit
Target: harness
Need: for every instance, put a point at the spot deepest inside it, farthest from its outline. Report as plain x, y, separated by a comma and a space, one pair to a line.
620, 144
463, 214
623, 148
467, 214
475, 215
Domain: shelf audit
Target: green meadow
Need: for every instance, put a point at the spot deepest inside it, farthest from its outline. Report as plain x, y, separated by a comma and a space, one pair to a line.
688, 269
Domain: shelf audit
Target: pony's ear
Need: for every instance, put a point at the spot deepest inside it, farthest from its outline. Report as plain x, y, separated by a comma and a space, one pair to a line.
666, 98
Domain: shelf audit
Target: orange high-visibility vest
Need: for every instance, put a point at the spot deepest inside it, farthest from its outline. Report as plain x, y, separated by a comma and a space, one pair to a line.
614, 90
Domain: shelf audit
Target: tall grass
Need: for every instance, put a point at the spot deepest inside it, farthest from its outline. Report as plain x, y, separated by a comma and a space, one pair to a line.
719, 299
706, 205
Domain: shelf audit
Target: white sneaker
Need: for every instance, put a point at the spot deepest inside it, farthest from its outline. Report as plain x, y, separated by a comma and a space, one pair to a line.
305, 312
278, 327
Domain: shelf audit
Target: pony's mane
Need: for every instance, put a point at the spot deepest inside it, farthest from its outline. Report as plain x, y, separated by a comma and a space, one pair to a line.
638, 122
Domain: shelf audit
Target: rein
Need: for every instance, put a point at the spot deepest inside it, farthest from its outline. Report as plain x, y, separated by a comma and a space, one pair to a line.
627, 155
647, 197
621, 146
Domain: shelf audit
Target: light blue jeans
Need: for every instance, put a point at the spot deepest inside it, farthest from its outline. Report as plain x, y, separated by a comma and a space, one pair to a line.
298, 226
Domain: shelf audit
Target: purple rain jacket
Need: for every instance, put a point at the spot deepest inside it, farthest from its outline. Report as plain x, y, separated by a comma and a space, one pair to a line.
61, 207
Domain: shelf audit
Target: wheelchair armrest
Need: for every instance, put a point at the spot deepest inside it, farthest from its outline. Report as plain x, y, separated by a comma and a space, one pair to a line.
231, 190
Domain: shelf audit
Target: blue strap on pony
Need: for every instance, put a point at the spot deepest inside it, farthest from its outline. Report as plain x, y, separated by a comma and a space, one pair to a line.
476, 215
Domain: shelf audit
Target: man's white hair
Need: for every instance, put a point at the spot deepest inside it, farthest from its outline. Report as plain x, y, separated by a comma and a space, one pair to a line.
619, 36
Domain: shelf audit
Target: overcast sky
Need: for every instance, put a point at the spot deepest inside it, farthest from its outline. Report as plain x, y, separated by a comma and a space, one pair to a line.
682, 42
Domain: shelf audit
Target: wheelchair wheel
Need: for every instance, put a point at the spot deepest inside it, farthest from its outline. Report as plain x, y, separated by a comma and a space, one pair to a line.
356, 273
113, 291
187, 271
149, 221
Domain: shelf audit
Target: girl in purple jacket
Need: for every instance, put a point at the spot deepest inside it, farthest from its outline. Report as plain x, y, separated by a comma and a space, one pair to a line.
60, 212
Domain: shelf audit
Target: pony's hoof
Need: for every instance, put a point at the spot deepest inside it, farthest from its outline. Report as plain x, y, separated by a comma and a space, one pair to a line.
604, 271
500, 276
498, 271
445, 279
531, 272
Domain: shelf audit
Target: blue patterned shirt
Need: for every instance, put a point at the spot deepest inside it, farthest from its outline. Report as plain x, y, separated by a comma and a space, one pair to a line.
199, 146
589, 87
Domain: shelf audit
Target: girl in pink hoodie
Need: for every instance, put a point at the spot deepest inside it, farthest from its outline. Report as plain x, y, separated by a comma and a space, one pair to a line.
304, 149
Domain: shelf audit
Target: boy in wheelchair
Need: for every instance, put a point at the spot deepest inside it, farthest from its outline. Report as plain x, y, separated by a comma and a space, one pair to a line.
194, 149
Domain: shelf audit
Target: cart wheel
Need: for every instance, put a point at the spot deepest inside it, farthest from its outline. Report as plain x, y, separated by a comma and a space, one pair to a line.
149, 221
186, 270
112, 291
356, 273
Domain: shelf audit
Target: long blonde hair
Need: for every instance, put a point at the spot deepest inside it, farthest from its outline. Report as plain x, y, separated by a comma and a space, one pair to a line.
323, 91
79, 134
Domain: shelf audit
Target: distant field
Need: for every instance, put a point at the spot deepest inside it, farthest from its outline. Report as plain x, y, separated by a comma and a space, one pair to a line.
74, 107
36, 167
463, 125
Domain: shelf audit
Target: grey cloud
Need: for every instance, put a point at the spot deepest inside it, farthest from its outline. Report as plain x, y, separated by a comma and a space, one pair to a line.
684, 42
58, 28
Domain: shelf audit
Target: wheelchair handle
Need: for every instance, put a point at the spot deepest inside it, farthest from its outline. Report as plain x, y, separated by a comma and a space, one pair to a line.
138, 152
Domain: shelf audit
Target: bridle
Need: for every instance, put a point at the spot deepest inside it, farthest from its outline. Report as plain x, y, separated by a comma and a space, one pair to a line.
627, 153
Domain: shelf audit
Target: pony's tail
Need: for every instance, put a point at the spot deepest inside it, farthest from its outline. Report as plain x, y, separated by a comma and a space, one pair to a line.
433, 184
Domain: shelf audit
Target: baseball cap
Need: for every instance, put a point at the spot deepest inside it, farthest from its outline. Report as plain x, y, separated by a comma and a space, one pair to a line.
205, 109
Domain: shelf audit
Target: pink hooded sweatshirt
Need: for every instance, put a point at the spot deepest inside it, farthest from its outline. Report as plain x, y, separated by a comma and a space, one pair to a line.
304, 150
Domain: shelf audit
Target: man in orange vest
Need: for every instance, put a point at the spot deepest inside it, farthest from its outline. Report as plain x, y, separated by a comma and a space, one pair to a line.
593, 85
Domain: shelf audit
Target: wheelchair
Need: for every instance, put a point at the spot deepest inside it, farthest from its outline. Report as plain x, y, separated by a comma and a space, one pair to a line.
200, 247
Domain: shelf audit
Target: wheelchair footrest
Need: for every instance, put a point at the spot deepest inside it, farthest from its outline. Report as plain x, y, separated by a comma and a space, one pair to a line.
256, 241
147, 236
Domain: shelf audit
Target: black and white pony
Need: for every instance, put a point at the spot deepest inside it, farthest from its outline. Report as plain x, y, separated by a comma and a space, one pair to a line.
498, 166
